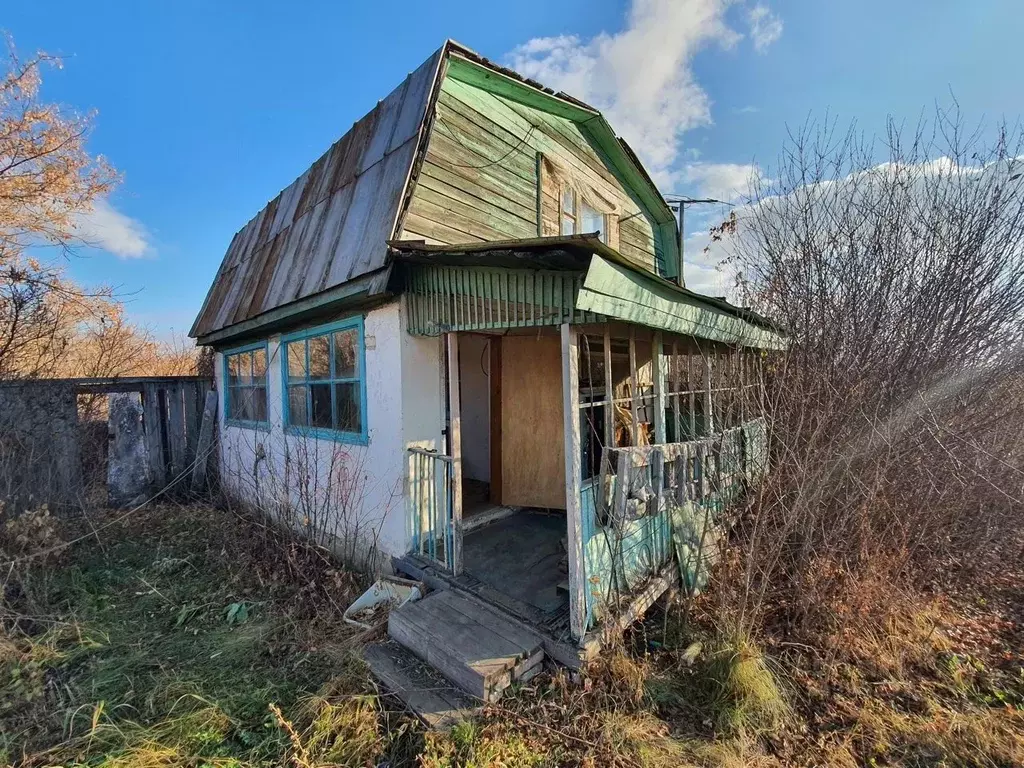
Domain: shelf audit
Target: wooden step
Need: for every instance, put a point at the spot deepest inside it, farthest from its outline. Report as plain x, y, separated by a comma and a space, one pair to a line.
474, 646
421, 688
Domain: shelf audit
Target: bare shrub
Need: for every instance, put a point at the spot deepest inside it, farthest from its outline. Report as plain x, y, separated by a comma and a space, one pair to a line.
897, 411
314, 498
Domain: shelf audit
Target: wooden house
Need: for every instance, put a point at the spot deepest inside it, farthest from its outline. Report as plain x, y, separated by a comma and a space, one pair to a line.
461, 338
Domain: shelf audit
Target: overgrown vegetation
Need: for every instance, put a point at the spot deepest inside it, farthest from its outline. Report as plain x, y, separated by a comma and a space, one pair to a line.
185, 635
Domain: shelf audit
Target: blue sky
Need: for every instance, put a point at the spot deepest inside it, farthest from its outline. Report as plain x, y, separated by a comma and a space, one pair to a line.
209, 109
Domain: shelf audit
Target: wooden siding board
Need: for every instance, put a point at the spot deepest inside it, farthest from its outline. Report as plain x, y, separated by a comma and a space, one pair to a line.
445, 182
463, 205
480, 179
477, 169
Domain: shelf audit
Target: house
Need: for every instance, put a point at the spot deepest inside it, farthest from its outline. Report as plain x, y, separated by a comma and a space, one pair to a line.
461, 342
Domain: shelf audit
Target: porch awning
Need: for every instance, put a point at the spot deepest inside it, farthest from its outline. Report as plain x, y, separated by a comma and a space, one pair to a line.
555, 280
614, 291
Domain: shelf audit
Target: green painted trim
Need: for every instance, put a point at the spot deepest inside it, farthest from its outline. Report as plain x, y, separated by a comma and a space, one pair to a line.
246, 423
596, 129
465, 298
612, 290
326, 433
353, 294
471, 73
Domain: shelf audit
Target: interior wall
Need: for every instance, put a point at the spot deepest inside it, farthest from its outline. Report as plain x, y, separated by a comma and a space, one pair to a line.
532, 443
474, 378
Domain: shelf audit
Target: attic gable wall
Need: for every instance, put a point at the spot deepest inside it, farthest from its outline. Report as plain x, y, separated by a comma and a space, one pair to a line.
479, 178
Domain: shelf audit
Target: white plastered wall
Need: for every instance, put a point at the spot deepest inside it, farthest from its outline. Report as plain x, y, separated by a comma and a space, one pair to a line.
356, 493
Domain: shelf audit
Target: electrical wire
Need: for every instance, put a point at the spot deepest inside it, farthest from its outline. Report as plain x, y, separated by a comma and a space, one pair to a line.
514, 149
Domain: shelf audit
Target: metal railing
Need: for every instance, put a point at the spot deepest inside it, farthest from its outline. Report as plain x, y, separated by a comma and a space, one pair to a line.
431, 494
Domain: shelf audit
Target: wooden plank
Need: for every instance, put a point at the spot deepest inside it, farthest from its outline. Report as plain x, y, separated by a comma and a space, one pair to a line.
195, 397
495, 418
470, 636
153, 424
205, 443
532, 441
431, 648
709, 409
455, 448
658, 365
609, 393
573, 458
465, 206
634, 390
483, 185
528, 642
176, 442
422, 689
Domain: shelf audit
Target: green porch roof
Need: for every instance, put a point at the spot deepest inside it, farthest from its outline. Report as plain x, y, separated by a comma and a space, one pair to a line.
553, 280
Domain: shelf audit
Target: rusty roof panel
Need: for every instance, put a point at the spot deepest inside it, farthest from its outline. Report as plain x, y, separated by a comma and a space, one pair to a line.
332, 223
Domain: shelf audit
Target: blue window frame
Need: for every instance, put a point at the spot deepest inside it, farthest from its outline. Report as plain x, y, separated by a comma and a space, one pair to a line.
245, 386
324, 377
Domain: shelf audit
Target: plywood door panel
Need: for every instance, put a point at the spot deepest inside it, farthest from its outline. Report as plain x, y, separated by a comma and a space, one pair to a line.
532, 444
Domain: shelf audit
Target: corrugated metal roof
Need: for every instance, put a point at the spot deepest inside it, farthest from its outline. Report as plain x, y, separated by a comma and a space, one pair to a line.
332, 223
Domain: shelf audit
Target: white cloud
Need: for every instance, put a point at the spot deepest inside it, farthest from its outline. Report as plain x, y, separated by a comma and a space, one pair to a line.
750, 109
641, 77
765, 27
722, 181
107, 228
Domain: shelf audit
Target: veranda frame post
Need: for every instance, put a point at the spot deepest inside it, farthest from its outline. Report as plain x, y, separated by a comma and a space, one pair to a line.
455, 447
573, 461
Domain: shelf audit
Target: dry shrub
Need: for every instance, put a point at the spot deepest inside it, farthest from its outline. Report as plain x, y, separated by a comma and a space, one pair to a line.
991, 737
607, 719
897, 413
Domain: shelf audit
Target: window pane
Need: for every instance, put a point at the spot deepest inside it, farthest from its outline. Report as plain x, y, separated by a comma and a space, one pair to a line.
232, 402
245, 368
259, 364
593, 220
320, 357
297, 415
296, 359
568, 201
345, 359
244, 400
232, 369
568, 226
321, 394
349, 410
259, 404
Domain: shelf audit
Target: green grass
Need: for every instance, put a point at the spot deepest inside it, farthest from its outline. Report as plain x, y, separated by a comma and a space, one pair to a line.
188, 637
175, 633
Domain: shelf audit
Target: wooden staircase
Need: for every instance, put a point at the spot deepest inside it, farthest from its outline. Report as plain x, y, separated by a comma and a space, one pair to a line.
472, 645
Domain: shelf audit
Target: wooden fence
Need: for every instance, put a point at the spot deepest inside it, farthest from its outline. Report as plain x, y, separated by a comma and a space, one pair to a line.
45, 453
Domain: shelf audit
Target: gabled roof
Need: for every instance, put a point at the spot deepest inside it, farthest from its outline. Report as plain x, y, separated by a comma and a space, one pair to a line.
323, 239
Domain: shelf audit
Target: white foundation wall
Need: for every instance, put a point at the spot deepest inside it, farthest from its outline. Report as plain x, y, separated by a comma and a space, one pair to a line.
357, 494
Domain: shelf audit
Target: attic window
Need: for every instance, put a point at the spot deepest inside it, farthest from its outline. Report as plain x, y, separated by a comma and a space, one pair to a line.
579, 217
